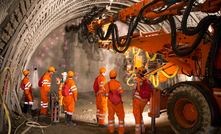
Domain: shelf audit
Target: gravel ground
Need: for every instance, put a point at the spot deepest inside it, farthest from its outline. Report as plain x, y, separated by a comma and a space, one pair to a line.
85, 117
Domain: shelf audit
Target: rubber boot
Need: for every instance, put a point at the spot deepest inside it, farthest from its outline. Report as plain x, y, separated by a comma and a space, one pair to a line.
97, 121
25, 108
69, 122
29, 109
66, 118
102, 125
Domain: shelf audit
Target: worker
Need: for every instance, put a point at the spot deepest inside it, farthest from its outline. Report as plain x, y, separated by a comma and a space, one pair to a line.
101, 101
138, 102
27, 92
60, 82
69, 100
45, 89
114, 85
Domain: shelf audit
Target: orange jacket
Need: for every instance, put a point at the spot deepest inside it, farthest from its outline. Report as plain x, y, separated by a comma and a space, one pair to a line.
72, 88
46, 82
101, 81
114, 85
27, 83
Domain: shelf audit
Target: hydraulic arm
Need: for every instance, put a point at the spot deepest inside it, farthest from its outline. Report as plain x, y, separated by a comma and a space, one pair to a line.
184, 48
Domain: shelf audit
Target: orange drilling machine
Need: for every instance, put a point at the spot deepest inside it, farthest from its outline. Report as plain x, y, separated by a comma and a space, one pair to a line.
193, 107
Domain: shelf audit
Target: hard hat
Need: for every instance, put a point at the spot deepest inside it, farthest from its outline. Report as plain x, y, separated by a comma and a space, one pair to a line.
113, 73
141, 70
52, 69
64, 73
26, 72
70, 74
102, 70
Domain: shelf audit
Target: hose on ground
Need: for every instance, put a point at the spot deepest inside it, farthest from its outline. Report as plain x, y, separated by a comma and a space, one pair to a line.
34, 124
5, 108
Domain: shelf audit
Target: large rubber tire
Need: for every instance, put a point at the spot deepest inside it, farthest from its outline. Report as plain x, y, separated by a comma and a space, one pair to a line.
182, 96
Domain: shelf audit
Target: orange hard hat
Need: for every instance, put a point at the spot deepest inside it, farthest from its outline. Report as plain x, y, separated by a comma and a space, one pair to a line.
102, 70
26, 72
141, 70
113, 73
70, 74
52, 69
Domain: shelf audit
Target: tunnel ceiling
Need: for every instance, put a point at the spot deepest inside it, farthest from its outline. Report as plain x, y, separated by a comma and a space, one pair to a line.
25, 23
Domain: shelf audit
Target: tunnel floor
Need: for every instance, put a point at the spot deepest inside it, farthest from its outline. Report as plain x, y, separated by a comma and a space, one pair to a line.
85, 118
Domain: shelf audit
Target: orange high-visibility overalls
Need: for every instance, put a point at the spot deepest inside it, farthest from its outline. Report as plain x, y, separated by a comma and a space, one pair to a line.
45, 89
28, 92
69, 101
59, 91
138, 106
112, 109
101, 101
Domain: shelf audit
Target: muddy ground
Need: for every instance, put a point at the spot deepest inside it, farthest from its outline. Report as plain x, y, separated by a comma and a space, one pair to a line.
85, 117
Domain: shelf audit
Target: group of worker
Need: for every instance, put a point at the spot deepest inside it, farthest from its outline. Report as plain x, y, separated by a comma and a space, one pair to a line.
45, 84
102, 100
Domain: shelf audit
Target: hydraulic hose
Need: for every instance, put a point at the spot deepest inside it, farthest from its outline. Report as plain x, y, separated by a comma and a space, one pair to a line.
128, 40
100, 33
6, 111
148, 56
210, 63
129, 80
200, 30
140, 14
115, 47
205, 21
173, 39
165, 74
170, 76
154, 83
93, 36
130, 30
82, 30
135, 53
156, 21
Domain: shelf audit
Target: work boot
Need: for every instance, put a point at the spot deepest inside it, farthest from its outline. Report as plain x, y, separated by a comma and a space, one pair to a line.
97, 121
69, 122
112, 132
125, 133
66, 118
29, 109
25, 108
102, 125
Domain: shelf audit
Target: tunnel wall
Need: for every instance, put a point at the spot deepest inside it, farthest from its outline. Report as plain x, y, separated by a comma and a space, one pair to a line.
64, 52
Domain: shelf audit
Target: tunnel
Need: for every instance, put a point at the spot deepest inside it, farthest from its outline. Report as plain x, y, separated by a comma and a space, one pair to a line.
33, 37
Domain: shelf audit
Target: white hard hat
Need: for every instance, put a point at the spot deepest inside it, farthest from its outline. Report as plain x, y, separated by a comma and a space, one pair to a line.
64, 73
